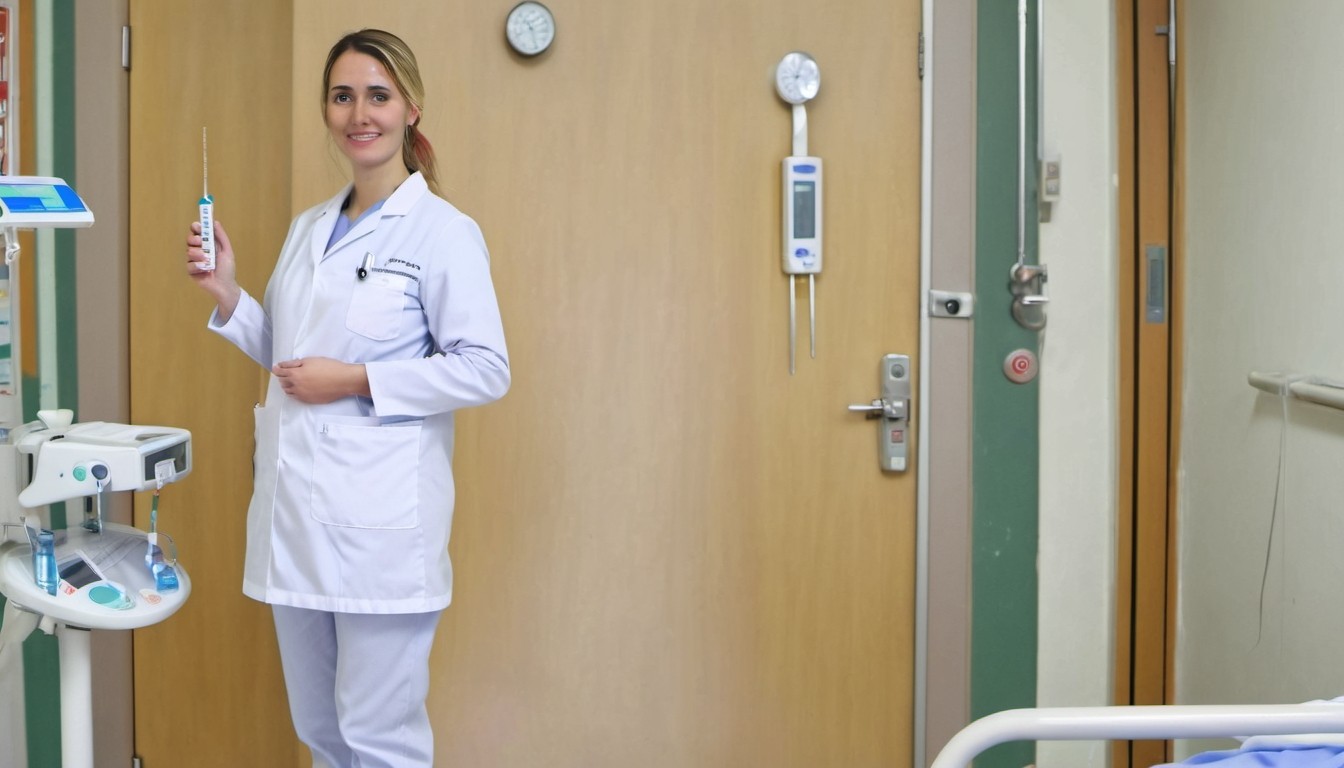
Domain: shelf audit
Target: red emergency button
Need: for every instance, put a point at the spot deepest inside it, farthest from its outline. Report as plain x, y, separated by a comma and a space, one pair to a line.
1020, 366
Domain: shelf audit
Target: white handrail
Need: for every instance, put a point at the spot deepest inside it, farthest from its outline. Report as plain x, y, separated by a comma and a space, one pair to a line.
1313, 389
1140, 722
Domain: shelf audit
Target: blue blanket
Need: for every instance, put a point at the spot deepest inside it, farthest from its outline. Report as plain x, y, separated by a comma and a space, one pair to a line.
1295, 757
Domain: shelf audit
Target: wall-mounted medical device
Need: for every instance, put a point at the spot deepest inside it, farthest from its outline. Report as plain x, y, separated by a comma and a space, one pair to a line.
797, 81
802, 215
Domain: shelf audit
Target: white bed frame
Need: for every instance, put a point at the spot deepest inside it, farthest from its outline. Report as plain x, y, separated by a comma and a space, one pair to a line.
1127, 723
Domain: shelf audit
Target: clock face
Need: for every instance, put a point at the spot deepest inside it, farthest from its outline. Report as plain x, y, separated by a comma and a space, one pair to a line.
797, 78
530, 28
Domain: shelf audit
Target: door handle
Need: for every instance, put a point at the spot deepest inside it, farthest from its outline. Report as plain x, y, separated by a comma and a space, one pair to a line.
881, 409
891, 411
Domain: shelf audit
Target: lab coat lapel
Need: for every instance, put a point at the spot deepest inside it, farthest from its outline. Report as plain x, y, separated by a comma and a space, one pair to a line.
362, 227
397, 204
325, 223
400, 202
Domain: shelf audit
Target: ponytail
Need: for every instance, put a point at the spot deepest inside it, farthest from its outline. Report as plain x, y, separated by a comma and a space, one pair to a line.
418, 155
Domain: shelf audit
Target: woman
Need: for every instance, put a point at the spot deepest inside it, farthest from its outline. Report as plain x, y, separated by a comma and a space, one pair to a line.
378, 323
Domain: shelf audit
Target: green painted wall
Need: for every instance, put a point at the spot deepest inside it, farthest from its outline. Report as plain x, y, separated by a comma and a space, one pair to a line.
1004, 421
63, 166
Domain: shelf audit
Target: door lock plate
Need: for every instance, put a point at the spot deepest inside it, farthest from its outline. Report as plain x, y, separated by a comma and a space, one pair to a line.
891, 411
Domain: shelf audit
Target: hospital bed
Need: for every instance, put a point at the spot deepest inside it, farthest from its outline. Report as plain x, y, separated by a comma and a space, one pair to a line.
1138, 723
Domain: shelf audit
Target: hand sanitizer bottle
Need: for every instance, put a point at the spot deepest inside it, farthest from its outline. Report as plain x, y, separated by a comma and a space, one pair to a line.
44, 562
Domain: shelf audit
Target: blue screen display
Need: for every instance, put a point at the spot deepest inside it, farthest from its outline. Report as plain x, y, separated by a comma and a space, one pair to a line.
43, 198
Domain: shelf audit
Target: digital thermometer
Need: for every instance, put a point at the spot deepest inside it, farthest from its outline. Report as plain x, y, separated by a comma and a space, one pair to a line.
797, 80
802, 215
802, 239
207, 210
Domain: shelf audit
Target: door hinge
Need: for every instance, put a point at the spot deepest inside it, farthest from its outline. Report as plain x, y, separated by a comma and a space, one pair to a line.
921, 54
126, 48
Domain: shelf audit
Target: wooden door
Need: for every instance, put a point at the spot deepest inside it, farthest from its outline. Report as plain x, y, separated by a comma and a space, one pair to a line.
668, 550
208, 690
1151, 317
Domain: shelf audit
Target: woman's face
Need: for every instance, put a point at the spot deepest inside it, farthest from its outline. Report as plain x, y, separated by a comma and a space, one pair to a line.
366, 113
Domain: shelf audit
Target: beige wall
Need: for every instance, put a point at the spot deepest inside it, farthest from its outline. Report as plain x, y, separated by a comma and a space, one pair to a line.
1259, 616
1078, 422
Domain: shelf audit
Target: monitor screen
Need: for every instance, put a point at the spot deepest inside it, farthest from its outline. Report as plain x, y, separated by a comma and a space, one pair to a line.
40, 198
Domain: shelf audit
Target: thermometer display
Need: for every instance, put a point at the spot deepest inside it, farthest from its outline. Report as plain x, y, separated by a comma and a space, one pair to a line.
804, 209
802, 215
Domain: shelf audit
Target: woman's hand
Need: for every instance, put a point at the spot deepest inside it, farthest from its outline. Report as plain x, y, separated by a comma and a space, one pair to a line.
317, 380
221, 283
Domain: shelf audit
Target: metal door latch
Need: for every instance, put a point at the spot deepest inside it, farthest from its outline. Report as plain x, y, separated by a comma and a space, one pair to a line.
1029, 296
891, 411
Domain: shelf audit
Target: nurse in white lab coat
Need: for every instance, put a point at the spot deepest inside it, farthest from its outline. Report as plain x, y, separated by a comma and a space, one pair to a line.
379, 322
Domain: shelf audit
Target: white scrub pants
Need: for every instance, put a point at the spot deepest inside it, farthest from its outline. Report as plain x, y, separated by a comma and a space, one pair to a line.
357, 685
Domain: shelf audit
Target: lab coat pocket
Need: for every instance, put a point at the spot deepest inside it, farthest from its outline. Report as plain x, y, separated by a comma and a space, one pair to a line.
376, 305
367, 476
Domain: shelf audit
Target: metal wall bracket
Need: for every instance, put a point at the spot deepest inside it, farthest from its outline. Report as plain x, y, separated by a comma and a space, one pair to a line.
951, 304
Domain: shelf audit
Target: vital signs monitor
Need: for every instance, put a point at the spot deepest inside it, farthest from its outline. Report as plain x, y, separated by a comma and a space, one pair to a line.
28, 202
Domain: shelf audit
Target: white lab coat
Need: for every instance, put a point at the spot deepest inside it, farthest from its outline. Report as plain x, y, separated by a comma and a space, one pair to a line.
352, 501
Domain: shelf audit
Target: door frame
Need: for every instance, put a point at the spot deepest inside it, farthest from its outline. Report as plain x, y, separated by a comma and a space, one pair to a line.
102, 281
1150, 212
947, 245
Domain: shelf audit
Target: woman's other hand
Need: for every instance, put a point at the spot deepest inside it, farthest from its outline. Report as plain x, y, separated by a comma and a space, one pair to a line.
317, 380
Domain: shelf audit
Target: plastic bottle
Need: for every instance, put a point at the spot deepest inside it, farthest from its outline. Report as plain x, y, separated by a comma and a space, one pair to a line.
44, 562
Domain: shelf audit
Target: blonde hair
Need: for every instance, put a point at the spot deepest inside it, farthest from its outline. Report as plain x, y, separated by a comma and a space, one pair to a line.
397, 58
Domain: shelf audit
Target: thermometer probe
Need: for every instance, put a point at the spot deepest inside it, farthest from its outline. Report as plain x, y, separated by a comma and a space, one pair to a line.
207, 210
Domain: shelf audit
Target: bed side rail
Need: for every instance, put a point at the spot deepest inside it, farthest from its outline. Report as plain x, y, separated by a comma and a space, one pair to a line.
1139, 722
